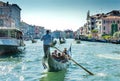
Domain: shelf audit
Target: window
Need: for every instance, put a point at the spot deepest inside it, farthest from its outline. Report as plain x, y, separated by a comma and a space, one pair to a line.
92, 23
12, 34
118, 21
104, 21
1, 22
92, 18
113, 21
99, 22
0, 11
104, 33
104, 28
3, 33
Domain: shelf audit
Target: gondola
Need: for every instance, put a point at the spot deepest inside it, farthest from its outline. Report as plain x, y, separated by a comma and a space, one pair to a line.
34, 41
78, 41
62, 40
54, 65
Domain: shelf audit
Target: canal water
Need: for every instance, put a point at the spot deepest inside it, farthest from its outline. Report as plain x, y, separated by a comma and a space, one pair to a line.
102, 59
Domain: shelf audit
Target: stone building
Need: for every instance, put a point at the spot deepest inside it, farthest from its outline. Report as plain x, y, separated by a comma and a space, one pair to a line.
104, 24
10, 15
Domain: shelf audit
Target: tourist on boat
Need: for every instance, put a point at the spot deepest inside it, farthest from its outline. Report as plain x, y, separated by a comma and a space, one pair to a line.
65, 50
59, 57
66, 54
59, 54
55, 53
47, 39
62, 56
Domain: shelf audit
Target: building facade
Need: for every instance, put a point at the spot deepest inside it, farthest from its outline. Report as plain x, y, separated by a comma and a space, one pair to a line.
10, 15
104, 24
31, 31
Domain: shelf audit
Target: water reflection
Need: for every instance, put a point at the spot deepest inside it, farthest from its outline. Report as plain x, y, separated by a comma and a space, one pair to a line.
53, 76
7, 55
11, 57
110, 56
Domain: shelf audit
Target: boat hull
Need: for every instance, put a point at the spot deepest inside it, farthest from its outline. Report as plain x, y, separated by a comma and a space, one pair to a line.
6, 49
51, 65
11, 45
11, 40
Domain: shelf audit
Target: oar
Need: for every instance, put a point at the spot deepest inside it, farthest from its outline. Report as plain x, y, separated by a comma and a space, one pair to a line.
82, 67
57, 48
77, 63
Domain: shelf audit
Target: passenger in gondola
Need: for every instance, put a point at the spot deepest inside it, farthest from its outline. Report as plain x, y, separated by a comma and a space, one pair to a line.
54, 54
59, 57
65, 50
59, 54
66, 53
63, 56
55, 51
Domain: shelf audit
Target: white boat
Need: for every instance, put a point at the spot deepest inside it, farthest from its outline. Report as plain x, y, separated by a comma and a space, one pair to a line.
11, 40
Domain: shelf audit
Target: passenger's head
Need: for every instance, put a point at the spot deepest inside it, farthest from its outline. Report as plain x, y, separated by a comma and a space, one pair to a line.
47, 31
59, 54
52, 53
65, 49
55, 51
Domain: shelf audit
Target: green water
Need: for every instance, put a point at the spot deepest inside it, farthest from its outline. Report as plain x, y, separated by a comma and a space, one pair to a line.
102, 59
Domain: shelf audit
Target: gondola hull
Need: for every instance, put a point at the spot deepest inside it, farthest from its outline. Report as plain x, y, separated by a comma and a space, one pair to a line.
52, 65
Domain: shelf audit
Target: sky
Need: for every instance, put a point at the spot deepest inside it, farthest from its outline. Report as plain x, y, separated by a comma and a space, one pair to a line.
62, 14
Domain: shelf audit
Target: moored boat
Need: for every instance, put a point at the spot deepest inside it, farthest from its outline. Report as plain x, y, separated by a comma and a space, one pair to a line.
62, 40
78, 41
115, 41
11, 40
34, 41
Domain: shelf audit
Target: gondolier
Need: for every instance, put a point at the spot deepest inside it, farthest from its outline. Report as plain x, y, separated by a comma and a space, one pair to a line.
47, 39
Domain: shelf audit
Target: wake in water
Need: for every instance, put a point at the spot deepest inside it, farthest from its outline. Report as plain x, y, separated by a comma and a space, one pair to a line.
108, 56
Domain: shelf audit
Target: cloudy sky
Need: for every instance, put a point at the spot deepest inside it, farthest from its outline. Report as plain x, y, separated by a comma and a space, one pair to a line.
62, 14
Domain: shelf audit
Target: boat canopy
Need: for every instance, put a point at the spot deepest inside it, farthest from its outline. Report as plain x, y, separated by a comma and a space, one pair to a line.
10, 32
